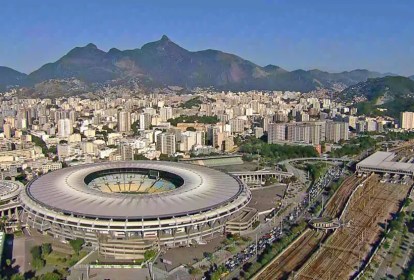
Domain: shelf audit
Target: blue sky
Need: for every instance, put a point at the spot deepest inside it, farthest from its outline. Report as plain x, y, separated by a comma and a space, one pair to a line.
331, 35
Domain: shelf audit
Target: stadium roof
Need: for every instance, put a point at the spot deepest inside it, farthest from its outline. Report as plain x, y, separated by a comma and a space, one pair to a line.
65, 191
9, 189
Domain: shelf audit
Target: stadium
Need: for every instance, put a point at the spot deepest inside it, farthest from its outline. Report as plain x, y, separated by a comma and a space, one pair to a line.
126, 208
9, 203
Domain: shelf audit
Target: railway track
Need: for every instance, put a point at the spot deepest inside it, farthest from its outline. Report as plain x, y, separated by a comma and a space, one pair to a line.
304, 247
337, 203
347, 247
294, 257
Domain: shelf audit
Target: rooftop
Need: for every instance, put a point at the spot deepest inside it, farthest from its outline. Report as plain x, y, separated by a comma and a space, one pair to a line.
384, 160
203, 189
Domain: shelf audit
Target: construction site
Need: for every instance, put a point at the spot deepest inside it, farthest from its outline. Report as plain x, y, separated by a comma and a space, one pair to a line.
365, 216
307, 244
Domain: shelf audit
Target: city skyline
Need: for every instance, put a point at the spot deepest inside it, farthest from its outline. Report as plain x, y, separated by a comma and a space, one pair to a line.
342, 37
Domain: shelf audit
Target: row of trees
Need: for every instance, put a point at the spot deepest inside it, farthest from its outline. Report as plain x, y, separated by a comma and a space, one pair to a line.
194, 119
275, 152
55, 275
249, 269
355, 146
191, 103
316, 170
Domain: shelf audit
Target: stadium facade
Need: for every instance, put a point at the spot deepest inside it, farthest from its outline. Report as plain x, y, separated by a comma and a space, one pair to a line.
9, 203
126, 208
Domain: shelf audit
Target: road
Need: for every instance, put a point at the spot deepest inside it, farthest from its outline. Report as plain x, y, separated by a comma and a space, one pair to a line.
293, 215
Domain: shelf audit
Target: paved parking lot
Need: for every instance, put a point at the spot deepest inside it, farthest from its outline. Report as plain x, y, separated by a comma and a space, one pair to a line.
118, 274
266, 198
188, 255
21, 253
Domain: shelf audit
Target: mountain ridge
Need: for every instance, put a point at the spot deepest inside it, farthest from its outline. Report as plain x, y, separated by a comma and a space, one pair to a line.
166, 63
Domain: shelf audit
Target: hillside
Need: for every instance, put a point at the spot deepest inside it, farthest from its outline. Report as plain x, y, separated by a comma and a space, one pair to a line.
10, 77
394, 93
163, 62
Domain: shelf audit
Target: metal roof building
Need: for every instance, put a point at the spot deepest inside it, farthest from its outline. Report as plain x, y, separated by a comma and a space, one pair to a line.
384, 162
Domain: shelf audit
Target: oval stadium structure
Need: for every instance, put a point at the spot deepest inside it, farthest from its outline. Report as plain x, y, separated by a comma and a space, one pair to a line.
9, 192
125, 208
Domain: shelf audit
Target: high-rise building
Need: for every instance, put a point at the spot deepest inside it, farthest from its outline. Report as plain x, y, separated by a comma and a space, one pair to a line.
361, 126
7, 130
166, 113
258, 132
237, 125
188, 141
407, 120
336, 131
166, 143
126, 151
65, 128
276, 133
124, 121
302, 132
63, 150
144, 121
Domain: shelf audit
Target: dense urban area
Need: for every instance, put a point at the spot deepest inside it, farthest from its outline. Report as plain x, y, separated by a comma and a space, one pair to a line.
328, 189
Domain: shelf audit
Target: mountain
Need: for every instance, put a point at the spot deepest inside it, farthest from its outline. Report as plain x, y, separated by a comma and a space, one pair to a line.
393, 93
411, 77
10, 77
85, 63
163, 62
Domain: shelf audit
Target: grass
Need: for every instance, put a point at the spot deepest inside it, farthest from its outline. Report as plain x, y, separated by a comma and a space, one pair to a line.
18, 233
62, 260
57, 259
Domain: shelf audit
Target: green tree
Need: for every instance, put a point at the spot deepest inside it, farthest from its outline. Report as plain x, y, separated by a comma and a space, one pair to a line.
17, 277
3, 222
150, 254
36, 252
194, 270
46, 249
51, 276
38, 263
77, 244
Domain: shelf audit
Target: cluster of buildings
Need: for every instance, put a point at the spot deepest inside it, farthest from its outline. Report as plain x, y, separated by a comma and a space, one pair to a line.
41, 134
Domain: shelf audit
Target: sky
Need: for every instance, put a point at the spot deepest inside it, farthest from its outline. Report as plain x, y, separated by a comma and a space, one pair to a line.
331, 35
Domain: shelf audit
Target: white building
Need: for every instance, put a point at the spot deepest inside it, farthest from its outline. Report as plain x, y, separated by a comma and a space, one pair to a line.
65, 128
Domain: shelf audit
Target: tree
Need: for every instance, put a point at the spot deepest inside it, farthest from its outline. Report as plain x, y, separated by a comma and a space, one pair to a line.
77, 244
190, 129
38, 263
17, 277
36, 252
51, 276
3, 222
194, 270
46, 249
149, 254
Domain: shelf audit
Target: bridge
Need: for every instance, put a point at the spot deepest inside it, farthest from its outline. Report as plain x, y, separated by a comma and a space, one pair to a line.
315, 159
260, 175
325, 223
